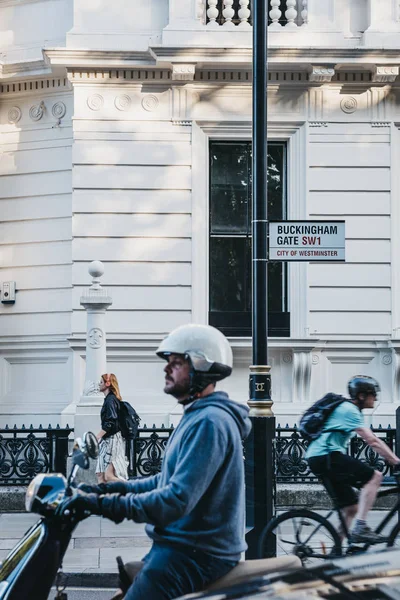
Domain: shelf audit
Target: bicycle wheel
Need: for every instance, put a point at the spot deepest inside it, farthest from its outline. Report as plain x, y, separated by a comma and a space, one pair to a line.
304, 533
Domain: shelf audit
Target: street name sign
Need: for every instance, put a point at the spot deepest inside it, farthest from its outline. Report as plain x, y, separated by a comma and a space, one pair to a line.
307, 240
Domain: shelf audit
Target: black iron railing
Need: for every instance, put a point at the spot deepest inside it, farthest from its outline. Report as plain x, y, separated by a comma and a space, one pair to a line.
146, 452
25, 452
290, 449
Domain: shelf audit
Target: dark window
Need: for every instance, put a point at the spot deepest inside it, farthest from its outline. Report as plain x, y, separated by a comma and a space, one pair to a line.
230, 239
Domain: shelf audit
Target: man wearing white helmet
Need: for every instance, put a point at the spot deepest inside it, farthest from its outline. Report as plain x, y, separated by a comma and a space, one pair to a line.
194, 508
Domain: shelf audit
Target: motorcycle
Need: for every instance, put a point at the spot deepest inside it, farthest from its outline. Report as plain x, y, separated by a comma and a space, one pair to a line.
34, 565
243, 573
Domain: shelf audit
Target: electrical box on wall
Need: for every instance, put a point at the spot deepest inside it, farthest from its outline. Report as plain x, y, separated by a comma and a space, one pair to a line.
7, 292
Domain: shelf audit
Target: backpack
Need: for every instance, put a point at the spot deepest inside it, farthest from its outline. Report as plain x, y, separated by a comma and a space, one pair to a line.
128, 420
312, 422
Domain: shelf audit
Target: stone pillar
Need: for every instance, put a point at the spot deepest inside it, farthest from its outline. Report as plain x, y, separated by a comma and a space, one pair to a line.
95, 301
395, 343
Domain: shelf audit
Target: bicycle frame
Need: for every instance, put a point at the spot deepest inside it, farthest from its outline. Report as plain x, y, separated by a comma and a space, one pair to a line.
303, 547
387, 518
396, 507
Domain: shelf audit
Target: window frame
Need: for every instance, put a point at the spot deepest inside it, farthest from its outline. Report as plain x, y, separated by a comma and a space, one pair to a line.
294, 134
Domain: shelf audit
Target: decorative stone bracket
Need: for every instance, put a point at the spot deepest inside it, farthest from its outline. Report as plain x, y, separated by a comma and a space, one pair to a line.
385, 73
183, 72
321, 74
380, 73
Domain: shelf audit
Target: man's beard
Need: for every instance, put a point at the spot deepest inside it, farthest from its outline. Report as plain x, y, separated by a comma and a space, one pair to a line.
178, 390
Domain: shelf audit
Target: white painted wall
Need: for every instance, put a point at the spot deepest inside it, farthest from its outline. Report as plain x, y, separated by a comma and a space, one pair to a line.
100, 24
351, 180
25, 27
123, 178
35, 252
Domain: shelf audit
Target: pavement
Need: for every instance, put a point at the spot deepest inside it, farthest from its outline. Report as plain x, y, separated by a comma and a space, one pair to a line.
92, 551
90, 558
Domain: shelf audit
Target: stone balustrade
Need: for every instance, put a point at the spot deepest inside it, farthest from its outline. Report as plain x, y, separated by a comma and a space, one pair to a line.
237, 13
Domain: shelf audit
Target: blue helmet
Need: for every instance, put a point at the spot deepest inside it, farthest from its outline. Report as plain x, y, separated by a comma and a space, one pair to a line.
363, 384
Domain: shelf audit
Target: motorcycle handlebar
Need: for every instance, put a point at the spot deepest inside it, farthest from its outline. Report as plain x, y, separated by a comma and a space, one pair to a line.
67, 509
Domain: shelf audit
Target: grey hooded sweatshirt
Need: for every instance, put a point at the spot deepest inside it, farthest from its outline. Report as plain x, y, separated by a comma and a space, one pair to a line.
198, 499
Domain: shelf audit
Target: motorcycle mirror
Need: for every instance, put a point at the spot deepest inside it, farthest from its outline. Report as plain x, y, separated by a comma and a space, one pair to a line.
91, 444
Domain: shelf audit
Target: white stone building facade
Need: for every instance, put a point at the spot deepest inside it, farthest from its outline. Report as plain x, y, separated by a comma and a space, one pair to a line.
108, 116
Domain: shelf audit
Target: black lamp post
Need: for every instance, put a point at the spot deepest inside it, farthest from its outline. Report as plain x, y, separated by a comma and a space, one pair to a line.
260, 476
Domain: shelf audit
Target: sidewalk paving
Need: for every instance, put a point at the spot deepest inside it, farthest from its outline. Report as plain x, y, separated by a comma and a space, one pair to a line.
95, 543
90, 558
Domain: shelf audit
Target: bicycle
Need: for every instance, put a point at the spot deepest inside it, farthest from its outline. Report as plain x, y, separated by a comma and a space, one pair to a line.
313, 538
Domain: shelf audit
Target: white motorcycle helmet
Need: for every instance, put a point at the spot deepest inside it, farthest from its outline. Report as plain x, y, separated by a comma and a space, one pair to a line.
207, 349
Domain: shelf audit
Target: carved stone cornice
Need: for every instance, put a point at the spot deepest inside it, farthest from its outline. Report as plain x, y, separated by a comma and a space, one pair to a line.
25, 68
372, 64
85, 76
42, 86
276, 55
164, 56
155, 75
242, 77
98, 58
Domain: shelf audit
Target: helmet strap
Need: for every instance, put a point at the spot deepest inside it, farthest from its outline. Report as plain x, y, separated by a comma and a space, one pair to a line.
199, 382
188, 400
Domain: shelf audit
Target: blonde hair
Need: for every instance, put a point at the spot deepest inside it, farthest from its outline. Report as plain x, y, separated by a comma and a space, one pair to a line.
113, 381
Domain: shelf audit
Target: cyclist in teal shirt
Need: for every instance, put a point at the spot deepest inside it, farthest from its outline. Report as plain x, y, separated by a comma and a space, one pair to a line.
328, 459
342, 424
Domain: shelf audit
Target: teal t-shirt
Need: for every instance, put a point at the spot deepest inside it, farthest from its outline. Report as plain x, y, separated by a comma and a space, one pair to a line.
345, 419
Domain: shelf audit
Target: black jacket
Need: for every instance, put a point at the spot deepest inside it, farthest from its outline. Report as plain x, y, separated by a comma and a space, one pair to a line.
109, 416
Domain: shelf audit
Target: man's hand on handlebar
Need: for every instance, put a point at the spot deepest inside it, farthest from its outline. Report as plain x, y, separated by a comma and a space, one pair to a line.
114, 487
92, 488
83, 504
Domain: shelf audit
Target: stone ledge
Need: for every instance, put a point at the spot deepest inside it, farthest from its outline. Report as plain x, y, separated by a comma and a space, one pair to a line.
12, 499
313, 496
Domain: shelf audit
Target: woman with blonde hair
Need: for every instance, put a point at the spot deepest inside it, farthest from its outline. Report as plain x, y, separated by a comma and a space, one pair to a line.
111, 463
